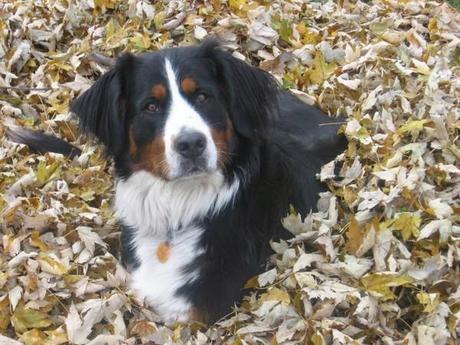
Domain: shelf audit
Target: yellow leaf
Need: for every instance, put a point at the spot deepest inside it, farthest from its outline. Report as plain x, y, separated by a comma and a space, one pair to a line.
317, 339
143, 328
178, 332
51, 265
26, 318
159, 19
380, 27
275, 294
33, 337
354, 236
115, 34
45, 173
409, 225
349, 195
37, 241
105, 4
87, 195
381, 283
321, 69
414, 127
141, 42
56, 337
308, 36
3, 203
4, 313
429, 300
237, 5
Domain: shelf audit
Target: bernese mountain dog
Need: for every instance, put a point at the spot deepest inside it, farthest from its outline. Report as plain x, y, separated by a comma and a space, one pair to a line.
209, 155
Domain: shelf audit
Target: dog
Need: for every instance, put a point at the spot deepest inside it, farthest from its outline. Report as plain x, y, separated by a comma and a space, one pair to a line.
210, 154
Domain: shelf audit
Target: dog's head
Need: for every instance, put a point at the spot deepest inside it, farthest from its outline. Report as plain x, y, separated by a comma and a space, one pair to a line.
178, 112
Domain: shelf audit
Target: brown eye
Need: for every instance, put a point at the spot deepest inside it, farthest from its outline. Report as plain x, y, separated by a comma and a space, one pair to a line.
151, 107
201, 98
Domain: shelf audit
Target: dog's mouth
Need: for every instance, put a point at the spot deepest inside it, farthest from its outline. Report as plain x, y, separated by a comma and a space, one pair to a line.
192, 167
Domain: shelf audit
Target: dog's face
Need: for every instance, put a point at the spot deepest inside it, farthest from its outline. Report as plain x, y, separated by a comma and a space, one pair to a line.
178, 112
181, 124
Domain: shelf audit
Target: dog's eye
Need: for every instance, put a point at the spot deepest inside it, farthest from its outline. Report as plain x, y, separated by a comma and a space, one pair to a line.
151, 107
201, 98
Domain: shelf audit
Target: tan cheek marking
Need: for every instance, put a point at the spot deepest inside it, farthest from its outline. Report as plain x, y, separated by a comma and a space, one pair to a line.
163, 252
222, 140
152, 158
189, 85
132, 145
159, 91
230, 131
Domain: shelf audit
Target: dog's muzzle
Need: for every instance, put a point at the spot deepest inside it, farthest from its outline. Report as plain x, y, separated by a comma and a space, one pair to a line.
191, 148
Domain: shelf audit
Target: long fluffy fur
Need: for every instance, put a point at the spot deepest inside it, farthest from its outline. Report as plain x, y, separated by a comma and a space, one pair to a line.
217, 225
42, 142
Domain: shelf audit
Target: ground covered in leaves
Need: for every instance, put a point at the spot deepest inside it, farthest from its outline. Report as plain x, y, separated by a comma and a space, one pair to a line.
379, 263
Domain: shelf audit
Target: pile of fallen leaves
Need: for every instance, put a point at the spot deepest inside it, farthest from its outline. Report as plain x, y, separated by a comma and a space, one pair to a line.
378, 263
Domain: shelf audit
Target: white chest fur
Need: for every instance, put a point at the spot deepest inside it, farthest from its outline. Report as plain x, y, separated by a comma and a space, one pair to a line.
153, 208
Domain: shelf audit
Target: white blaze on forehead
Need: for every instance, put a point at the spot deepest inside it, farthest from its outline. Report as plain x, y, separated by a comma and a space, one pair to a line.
183, 117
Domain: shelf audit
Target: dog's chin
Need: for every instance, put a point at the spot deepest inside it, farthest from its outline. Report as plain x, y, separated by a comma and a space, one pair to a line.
189, 170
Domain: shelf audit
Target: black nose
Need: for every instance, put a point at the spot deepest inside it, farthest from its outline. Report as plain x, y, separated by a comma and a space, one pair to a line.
190, 144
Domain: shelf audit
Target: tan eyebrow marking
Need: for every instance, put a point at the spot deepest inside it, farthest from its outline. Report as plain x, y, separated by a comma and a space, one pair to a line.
189, 85
159, 91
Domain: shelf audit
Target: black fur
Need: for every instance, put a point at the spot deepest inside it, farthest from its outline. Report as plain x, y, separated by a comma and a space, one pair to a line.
278, 174
129, 258
279, 147
102, 109
251, 93
42, 142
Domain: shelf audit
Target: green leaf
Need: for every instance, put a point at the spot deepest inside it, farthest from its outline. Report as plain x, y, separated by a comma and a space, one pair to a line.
26, 318
284, 28
44, 172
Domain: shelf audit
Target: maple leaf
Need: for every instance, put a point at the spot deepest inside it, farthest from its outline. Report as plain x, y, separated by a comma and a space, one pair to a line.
321, 70
25, 318
394, 81
409, 225
414, 127
381, 283
354, 236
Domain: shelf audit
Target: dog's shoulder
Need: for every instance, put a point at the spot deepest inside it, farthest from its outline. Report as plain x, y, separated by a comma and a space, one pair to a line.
302, 139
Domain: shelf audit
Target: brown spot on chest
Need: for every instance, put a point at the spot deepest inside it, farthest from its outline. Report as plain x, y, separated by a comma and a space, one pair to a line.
189, 85
163, 252
159, 91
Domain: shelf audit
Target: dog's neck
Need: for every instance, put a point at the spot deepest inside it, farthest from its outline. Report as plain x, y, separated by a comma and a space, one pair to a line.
155, 207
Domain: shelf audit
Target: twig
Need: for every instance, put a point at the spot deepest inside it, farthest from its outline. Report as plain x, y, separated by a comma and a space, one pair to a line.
26, 89
332, 123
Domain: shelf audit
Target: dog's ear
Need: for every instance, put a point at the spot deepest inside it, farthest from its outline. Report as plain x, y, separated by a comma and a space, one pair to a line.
102, 108
252, 92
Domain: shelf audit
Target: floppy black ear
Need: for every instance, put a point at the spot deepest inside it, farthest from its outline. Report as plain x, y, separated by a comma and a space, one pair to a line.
252, 92
102, 108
